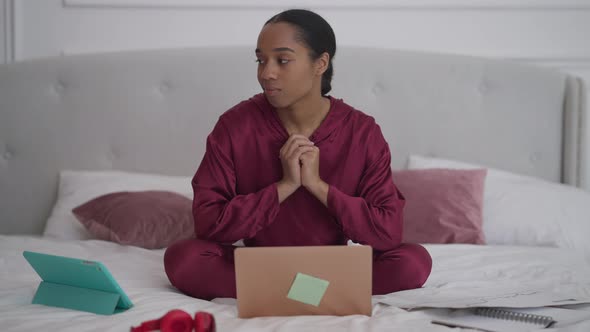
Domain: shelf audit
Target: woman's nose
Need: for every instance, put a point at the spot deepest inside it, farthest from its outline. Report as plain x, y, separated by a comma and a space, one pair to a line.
268, 71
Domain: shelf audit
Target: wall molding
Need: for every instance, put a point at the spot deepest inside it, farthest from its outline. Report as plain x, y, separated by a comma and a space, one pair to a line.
340, 4
8, 39
557, 61
576, 60
578, 65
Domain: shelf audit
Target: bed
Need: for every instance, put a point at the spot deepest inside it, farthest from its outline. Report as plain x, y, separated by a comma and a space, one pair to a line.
74, 128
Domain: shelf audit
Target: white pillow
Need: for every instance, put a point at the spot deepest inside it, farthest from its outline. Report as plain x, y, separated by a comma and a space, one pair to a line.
524, 210
78, 187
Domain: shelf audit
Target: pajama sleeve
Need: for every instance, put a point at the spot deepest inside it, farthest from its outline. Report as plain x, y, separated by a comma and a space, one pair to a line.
220, 214
374, 217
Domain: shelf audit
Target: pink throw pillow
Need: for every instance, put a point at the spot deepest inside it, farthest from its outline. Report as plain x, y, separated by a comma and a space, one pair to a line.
442, 205
148, 219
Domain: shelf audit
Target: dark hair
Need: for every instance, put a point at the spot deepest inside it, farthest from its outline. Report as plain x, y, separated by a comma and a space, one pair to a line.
315, 33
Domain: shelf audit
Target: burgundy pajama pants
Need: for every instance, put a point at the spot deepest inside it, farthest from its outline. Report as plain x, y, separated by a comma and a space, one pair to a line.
205, 270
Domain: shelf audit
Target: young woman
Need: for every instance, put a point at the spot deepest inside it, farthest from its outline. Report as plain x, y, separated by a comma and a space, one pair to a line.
293, 166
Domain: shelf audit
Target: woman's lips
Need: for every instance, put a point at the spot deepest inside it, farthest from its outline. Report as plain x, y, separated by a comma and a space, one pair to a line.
271, 91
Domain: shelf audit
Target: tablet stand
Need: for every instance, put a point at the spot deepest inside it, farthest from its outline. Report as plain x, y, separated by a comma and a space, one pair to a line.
77, 298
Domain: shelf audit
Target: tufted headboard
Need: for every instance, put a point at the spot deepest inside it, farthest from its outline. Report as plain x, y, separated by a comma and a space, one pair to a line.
150, 111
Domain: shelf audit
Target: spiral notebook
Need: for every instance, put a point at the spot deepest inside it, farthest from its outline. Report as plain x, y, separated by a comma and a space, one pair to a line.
496, 319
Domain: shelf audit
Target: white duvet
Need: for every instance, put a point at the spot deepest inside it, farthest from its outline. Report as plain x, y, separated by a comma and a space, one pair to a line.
459, 270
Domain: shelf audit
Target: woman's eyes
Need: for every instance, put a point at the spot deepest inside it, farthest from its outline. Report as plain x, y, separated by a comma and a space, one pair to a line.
280, 61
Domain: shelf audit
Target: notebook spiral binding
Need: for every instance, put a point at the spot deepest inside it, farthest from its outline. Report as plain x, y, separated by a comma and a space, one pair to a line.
515, 316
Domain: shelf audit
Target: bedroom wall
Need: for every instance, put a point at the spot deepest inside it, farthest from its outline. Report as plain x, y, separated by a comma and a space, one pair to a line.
552, 33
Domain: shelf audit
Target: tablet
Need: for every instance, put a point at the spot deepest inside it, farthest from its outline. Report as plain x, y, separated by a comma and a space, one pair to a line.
81, 274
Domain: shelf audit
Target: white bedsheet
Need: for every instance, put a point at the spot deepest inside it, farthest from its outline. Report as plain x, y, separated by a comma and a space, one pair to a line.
457, 268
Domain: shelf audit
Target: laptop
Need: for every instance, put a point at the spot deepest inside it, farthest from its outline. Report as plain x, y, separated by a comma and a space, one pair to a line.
314, 280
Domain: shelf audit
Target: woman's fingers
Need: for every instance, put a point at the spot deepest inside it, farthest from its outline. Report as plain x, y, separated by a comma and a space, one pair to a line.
300, 151
292, 144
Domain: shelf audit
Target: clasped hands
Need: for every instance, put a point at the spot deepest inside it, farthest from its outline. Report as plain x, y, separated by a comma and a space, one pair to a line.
300, 159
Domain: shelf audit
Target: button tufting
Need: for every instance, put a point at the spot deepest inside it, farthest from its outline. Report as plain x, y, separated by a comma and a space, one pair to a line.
59, 87
165, 87
377, 88
7, 155
534, 157
112, 154
484, 86
108, 160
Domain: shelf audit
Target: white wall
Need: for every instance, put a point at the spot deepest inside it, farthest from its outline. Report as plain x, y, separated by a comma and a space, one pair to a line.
545, 30
553, 33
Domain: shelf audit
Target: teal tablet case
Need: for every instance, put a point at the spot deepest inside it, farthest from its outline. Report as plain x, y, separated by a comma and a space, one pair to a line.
76, 284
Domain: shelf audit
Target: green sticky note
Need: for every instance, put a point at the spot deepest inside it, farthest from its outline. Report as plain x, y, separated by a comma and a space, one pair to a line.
308, 289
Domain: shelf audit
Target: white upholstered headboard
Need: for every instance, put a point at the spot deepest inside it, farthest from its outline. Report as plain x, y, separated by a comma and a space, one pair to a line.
151, 111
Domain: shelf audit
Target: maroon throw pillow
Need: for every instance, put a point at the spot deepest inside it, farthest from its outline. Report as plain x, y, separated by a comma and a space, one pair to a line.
147, 219
442, 205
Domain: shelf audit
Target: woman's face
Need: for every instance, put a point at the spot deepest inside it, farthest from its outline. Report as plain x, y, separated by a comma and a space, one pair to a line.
286, 72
